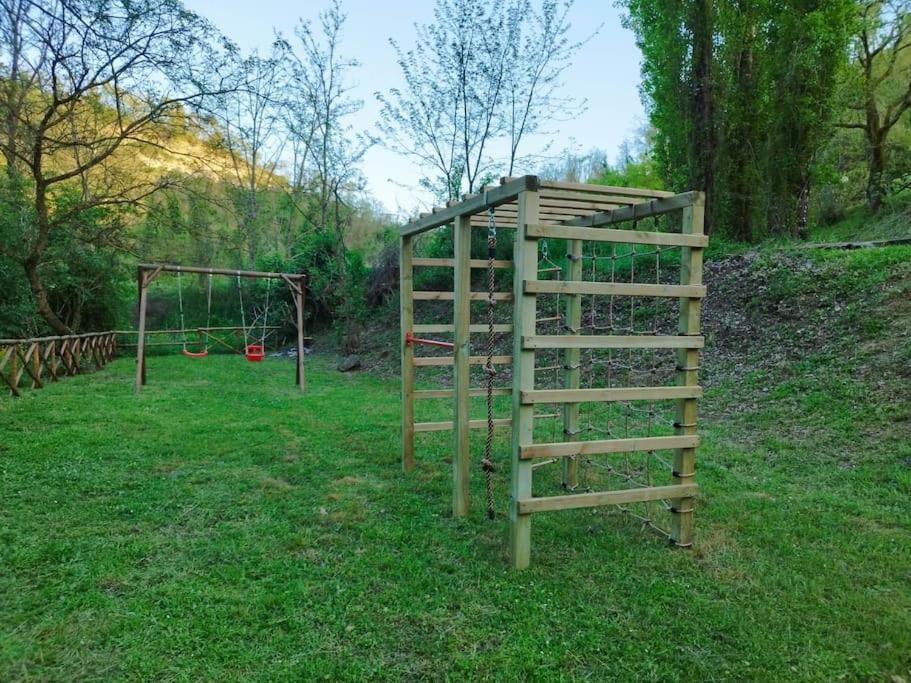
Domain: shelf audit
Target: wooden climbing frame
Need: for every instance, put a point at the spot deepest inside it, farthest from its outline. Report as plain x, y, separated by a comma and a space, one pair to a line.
570, 215
48, 359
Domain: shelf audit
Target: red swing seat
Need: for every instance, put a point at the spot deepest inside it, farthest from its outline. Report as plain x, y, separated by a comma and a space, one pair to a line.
254, 352
195, 354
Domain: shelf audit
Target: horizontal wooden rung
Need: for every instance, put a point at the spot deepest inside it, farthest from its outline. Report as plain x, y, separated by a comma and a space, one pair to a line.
605, 446
591, 341
599, 498
449, 393
450, 296
450, 262
449, 329
424, 361
608, 395
613, 288
472, 424
566, 232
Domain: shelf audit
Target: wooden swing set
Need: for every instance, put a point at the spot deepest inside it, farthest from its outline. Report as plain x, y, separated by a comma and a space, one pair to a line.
598, 351
254, 347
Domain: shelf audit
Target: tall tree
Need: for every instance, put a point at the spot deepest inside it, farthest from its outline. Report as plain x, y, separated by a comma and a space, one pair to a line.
882, 83
484, 71
741, 96
250, 126
88, 83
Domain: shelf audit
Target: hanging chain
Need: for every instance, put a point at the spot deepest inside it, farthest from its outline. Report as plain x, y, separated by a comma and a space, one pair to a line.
487, 462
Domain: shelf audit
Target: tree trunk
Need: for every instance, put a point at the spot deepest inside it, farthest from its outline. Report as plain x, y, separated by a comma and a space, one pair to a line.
803, 208
702, 144
41, 301
876, 178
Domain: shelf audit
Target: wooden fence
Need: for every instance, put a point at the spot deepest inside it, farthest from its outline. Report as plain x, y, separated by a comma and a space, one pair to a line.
34, 362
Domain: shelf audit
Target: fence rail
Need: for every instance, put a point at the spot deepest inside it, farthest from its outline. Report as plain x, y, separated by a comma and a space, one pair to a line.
34, 362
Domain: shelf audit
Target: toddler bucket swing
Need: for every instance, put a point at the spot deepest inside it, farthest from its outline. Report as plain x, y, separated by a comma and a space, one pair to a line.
254, 352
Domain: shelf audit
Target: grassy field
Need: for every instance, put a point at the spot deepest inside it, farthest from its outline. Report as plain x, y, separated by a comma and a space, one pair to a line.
223, 527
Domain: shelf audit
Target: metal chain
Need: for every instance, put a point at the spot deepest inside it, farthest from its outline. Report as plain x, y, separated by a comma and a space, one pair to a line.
487, 462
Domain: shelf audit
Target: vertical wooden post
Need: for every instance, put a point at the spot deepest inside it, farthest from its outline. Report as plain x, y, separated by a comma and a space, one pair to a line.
36, 366
53, 360
571, 370
141, 338
298, 289
461, 454
525, 260
406, 317
14, 370
682, 522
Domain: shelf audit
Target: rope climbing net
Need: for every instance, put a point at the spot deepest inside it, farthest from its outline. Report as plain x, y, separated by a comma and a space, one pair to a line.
596, 368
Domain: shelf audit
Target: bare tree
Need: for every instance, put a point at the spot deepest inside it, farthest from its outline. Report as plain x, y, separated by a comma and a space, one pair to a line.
88, 83
482, 72
251, 121
325, 150
883, 54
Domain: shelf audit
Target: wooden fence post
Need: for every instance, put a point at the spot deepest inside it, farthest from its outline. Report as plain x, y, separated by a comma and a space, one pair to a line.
461, 455
687, 374
525, 260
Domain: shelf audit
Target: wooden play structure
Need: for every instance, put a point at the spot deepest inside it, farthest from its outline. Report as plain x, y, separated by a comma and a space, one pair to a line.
253, 346
603, 324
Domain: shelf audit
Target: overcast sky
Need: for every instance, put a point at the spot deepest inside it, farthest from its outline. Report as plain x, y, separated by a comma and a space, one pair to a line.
605, 71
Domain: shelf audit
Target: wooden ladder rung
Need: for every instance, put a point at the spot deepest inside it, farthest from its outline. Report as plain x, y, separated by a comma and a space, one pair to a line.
591, 341
604, 446
598, 498
609, 395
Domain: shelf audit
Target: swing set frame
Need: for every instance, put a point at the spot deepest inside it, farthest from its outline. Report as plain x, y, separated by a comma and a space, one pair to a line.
148, 272
575, 213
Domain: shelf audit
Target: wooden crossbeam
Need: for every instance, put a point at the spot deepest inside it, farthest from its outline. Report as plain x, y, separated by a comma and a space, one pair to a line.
613, 289
567, 449
637, 341
448, 360
449, 393
444, 329
634, 212
566, 232
608, 395
450, 296
599, 498
450, 263
447, 425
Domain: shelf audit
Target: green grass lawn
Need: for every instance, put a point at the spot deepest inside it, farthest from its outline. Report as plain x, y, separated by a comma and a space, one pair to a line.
222, 526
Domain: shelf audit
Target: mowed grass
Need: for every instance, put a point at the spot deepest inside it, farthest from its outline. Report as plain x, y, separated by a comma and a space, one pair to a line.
222, 526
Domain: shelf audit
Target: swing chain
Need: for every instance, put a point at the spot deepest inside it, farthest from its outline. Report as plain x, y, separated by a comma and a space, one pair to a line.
489, 372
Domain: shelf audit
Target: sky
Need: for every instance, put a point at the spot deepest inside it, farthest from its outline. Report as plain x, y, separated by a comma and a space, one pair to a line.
605, 71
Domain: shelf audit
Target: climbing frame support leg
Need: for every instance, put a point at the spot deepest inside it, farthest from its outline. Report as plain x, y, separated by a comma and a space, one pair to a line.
406, 316
571, 357
461, 460
525, 260
682, 512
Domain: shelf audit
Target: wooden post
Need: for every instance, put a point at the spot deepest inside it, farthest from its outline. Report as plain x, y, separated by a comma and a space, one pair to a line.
300, 298
298, 292
14, 370
141, 339
35, 350
525, 259
571, 357
682, 523
461, 454
406, 317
